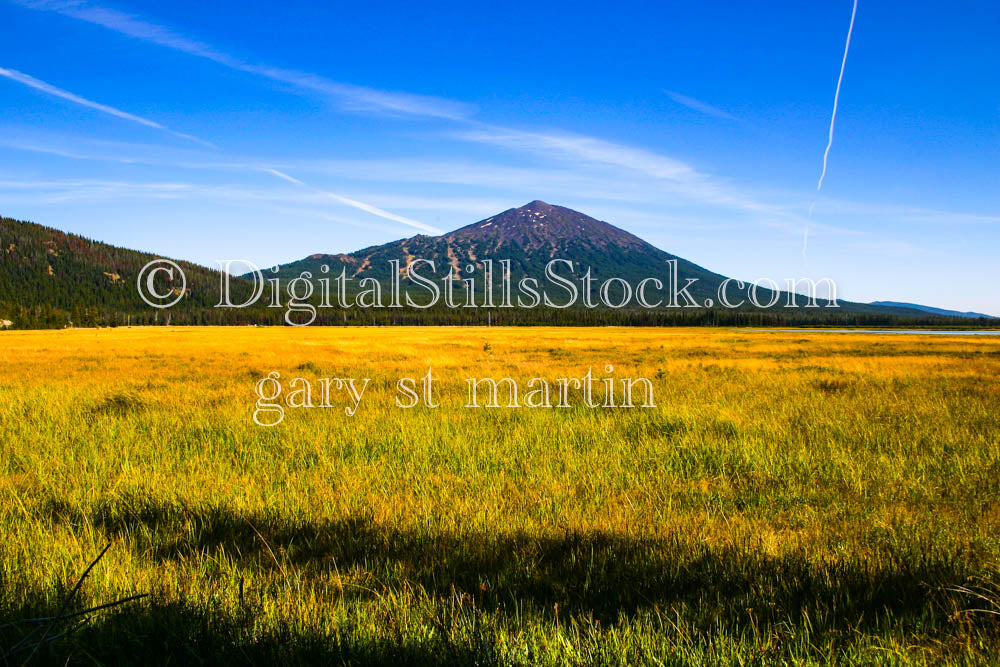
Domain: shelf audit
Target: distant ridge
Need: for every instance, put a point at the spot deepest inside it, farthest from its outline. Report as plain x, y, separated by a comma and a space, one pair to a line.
935, 311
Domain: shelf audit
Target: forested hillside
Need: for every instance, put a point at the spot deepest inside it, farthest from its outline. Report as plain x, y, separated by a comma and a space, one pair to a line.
51, 279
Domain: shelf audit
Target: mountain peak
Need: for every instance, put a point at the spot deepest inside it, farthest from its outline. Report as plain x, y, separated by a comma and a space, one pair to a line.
539, 224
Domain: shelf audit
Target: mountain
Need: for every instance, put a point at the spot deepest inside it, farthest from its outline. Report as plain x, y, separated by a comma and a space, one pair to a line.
934, 311
531, 236
52, 279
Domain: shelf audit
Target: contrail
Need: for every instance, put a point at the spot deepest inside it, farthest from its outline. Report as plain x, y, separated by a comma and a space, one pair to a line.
38, 84
368, 208
833, 119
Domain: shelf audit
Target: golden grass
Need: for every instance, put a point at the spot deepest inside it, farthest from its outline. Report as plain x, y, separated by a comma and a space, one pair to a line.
795, 496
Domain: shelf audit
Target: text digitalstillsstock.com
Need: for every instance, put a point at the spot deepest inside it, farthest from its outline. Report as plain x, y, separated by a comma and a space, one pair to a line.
274, 397
483, 284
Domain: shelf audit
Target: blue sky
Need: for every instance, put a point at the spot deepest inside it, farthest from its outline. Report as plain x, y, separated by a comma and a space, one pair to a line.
234, 130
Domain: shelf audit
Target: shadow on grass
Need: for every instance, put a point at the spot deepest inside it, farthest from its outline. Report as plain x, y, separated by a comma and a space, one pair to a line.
178, 633
602, 576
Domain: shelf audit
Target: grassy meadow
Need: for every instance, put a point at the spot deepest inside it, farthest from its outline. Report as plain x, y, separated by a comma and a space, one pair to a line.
796, 497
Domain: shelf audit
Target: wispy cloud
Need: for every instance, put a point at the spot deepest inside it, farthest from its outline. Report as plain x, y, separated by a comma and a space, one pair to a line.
680, 177
351, 97
368, 208
282, 203
457, 172
48, 88
909, 215
55, 191
639, 182
189, 162
579, 147
698, 105
588, 168
50, 191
